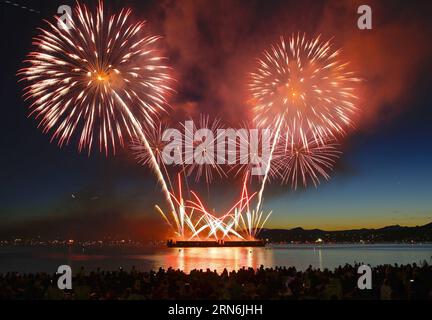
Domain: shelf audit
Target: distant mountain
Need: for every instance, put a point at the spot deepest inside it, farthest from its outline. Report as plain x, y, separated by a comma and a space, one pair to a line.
394, 233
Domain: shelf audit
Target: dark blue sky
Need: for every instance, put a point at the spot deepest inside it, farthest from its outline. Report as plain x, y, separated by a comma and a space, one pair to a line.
388, 179
383, 178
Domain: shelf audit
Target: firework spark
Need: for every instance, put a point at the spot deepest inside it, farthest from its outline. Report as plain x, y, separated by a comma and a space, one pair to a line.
186, 225
101, 79
297, 164
247, 221
154, 137
205, 147
142, 154
94, 78
193, 221
250, 145
182, 216
307, 86
301, 86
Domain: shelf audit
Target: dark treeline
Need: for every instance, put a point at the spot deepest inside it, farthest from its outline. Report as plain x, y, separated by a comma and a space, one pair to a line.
386, 234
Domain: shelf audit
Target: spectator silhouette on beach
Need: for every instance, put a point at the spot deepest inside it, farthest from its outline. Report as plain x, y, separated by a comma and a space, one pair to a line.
389, 282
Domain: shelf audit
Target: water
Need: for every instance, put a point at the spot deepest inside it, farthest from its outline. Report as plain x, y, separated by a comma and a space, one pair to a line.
40, 259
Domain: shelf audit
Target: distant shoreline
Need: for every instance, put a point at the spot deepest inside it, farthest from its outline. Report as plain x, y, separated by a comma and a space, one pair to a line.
162, 244
387, 235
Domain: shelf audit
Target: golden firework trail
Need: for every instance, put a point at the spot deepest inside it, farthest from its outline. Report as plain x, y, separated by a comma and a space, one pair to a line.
101, 80
192, 220
301, 88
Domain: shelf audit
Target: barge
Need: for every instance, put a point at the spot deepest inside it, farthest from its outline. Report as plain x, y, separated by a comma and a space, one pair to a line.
210, 244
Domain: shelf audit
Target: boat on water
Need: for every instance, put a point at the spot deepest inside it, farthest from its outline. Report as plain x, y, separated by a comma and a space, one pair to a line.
220, 243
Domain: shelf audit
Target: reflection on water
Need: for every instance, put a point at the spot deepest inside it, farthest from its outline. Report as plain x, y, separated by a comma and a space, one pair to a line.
320, 259
31, 259
216, 258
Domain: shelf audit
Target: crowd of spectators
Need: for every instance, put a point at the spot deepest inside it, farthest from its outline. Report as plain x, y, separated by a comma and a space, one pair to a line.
412, 281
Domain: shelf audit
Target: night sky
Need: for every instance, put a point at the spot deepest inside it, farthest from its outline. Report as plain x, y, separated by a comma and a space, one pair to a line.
383, 177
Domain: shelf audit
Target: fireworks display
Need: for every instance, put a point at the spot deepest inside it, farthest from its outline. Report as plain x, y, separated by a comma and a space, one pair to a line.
303, 84
104, 82
305, 92
101, 79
